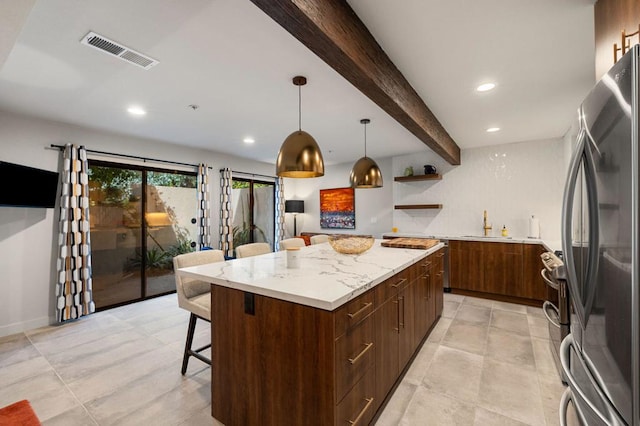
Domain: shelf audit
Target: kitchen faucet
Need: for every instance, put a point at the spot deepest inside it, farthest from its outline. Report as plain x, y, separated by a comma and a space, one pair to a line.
487, 227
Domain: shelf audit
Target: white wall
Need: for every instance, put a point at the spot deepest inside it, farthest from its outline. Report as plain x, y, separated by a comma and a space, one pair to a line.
511, 181
374, 210
527, 180
28, 236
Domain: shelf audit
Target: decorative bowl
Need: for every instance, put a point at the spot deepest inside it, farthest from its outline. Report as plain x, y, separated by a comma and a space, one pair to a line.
351, 244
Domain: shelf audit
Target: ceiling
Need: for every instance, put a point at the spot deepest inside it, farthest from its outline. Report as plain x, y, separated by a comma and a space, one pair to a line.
236, 64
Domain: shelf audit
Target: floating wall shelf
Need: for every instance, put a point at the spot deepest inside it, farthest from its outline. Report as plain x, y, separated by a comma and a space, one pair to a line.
435, 176
418, 206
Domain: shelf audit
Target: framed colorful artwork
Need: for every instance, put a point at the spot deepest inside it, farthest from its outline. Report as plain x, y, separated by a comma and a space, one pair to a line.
338, 208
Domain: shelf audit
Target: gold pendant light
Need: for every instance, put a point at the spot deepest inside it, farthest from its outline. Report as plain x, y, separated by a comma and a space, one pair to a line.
365, 173
299, 155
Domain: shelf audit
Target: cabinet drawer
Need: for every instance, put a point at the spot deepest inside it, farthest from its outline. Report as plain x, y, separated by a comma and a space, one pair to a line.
425, 265
438, 258
359, 406
353, 312
355, 354
393, 285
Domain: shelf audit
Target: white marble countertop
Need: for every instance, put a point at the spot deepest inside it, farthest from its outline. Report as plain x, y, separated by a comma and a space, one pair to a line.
551, 245
326, 279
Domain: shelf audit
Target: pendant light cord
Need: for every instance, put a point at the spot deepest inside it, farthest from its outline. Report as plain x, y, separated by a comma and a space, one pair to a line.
299, 108
365, 140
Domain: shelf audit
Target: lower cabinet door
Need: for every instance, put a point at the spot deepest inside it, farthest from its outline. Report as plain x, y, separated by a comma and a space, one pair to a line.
421, 305
407, 342
387, 341
359, 405
438, 295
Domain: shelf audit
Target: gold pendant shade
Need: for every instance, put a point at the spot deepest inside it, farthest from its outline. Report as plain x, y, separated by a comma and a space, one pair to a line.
365, 173
300, 157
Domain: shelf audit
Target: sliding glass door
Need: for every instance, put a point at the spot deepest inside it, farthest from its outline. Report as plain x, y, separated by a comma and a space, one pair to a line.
253, 211
140, 218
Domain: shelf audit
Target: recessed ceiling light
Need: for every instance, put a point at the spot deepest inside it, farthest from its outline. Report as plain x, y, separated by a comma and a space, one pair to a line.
485, 87
248, 140
493, 129
134, 110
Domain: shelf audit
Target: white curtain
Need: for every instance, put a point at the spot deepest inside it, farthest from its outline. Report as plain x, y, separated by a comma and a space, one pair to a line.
279, 234
204, 208
226, 214
74, 293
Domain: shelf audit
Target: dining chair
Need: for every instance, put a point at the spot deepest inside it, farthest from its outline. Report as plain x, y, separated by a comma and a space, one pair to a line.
252, 249
291, 242
319, 239
195, 296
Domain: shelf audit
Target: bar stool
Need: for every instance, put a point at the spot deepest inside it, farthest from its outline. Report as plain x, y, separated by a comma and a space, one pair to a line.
291, 242
195, 296
252, 249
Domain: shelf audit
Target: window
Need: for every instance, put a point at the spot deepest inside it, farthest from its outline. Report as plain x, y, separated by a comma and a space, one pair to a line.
253, 211
140, 219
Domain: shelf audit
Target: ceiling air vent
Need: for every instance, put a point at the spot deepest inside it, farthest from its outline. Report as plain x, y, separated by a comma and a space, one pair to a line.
116, 49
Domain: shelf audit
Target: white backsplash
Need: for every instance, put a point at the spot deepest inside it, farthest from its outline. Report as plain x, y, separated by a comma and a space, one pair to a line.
510, 181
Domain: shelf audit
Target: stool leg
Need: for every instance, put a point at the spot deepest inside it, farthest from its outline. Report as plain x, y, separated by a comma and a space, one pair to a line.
189, 342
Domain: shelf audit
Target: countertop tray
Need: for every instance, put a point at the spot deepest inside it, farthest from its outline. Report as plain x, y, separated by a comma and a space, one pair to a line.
412, 243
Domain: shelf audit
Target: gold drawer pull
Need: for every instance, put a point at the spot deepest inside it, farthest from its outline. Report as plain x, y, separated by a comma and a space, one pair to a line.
440, 254
426, 264
399, 283
364, 410
367, 346
361, 310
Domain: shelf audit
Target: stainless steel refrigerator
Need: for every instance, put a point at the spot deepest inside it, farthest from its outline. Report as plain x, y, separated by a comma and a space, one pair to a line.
600, 241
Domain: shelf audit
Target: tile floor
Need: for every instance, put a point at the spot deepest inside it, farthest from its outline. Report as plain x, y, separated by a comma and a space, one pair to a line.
485, 363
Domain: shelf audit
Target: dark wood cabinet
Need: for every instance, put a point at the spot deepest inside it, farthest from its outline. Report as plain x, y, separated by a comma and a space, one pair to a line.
407, 344
405, 314
467, 265
534, 286
387, 354
428, 295
262, 356
504, 271
285, 363
437, 283
611, 17
424, 309
394, 328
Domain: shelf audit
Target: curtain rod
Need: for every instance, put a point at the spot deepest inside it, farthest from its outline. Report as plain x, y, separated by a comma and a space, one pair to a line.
251, 174
135, 157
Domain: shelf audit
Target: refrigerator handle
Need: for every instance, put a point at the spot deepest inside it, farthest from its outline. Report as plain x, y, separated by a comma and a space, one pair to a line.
594, 225
567, 214
565, 352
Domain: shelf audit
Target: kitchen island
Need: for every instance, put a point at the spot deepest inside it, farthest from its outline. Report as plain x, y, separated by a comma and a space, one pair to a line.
322, 344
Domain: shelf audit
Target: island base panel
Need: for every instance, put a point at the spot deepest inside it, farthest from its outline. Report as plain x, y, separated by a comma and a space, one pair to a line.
272, 366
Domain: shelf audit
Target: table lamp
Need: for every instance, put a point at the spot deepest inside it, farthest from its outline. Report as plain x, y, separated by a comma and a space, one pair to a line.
295, 207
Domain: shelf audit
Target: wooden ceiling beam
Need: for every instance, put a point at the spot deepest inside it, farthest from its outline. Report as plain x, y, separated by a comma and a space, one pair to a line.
332, 30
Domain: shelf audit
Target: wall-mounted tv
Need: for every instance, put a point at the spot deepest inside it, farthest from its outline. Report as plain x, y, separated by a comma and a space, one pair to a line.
23, 186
